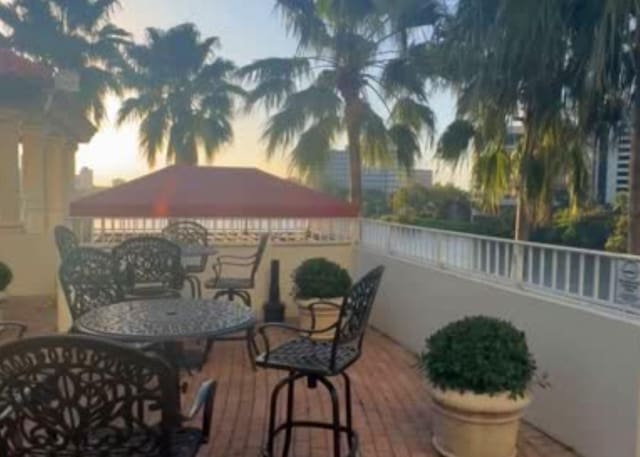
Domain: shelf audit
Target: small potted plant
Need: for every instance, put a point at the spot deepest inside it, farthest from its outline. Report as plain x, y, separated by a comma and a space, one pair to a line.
5, 279
319, 279
480, 370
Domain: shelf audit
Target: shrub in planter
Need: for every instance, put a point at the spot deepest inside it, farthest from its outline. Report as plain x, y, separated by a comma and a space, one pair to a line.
480, 370
5, 279
320, 279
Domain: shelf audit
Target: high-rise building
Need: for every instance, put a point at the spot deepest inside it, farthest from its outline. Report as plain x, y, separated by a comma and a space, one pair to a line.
611, 159
84, 180
387, 180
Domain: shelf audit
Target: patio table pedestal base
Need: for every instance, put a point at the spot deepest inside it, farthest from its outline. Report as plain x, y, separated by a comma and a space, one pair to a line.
339, 430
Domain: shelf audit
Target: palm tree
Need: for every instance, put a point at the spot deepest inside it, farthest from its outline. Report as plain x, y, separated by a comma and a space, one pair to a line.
508, 63
75, 35
181, 95
353, 56
611, 59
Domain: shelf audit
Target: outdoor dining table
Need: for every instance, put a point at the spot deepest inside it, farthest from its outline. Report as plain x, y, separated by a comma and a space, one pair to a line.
168, 322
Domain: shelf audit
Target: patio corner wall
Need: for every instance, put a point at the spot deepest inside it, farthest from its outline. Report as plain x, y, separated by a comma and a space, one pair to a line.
592, 358
33, 260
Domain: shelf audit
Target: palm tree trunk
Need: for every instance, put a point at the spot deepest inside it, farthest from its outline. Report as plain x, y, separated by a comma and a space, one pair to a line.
634, 177
522, 227
355, 156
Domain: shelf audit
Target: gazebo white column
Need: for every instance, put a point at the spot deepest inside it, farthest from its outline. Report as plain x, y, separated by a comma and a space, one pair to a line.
33, 177
60, 163
9, 175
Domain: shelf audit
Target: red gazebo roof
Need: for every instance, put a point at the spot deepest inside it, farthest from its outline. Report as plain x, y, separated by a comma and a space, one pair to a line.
14, 65
211, 192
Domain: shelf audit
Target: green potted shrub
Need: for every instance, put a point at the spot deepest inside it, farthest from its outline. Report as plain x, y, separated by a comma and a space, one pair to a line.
320, 279
5, 279
479, 370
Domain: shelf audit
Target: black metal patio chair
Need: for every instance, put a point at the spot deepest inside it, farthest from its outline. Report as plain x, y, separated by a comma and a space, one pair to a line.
66, 240
151, 267
318, 361
88, 280
72, 396
231, 286
190, 233
10, 330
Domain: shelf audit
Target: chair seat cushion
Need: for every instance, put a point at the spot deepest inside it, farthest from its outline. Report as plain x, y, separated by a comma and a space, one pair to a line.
229, 283
308, 356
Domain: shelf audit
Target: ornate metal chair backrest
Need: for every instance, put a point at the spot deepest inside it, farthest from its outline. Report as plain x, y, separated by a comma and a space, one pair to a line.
149, 260
355, 312
262, 246
66, 240
190, 233
88, 280
79, 396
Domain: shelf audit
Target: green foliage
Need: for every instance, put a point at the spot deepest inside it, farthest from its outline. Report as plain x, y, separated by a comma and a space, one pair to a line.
320, 278
438, 202
6, 276
479, 354
618, 241
182, 95
587, 229
73, 35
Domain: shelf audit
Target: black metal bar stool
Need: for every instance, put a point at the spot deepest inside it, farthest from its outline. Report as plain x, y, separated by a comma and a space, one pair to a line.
318, 362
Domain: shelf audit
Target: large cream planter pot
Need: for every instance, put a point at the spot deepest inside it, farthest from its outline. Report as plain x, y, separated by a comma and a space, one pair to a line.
326, 315
470, 425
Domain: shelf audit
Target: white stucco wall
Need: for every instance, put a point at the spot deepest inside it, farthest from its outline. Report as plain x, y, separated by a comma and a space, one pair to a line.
593, 359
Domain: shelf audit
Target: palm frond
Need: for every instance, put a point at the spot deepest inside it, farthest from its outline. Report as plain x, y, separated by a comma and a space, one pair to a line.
455, 141
313, 149
152, 133
406, 146
418, 116
276, 68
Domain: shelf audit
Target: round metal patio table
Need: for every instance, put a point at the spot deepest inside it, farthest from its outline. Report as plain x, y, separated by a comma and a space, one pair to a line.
167, 320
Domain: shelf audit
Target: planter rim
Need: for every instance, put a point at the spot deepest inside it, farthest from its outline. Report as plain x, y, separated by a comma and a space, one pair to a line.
305, 302
479, 403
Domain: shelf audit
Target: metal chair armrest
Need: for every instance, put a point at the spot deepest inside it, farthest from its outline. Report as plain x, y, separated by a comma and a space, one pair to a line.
203, 401
237, 257
262, 331
312, 310
19, 326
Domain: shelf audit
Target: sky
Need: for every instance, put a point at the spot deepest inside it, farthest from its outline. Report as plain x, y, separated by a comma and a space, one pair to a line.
248, 30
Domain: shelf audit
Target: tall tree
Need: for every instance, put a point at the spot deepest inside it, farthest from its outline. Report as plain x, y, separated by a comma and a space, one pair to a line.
75, 35
508, 61
182, 95
610, 59
355, 58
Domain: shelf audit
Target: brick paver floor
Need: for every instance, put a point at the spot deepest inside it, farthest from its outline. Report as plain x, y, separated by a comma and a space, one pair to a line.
391, 405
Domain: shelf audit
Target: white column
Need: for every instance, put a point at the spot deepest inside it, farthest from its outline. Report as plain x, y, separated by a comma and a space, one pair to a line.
9, 175
33, 178
55, 186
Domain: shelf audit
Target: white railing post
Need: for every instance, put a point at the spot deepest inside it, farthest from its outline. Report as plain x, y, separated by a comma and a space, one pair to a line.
517, 264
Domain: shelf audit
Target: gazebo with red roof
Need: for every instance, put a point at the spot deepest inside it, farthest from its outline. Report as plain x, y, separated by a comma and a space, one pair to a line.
211, 195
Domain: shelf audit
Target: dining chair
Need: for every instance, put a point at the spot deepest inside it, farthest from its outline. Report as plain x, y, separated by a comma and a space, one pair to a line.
190, 233
65, 239
151, 267
230, 286
303, 357
88, 280
69, 396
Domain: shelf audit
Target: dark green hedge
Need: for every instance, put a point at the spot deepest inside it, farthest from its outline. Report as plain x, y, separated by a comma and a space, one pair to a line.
320, 278
479, 354
5, 276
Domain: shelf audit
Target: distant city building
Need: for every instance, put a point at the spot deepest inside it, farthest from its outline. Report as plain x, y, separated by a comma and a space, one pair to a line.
421, 177
386, 180
84, 179
610, 163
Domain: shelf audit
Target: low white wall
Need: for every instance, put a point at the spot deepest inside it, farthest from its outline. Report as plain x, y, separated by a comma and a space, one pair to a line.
593, 360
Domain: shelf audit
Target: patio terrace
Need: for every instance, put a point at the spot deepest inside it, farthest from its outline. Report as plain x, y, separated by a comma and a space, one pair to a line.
391, 406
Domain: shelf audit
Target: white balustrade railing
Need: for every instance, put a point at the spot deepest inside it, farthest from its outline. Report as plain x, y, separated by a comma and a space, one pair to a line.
607, 280
108, 231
